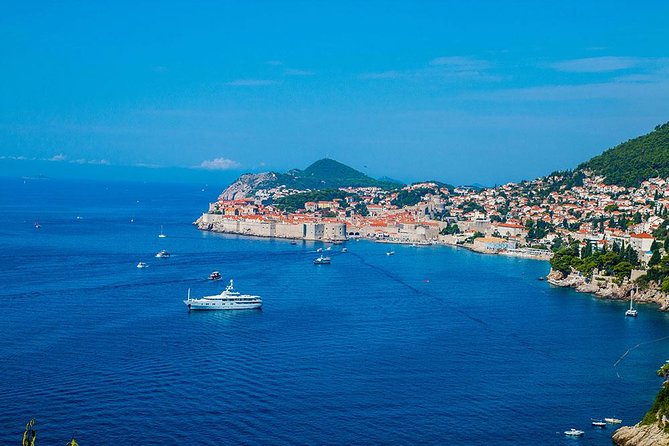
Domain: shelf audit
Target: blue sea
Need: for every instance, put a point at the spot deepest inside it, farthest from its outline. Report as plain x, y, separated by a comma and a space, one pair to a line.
434, 345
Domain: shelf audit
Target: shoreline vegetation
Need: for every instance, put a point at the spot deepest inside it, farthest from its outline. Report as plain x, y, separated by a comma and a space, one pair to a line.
653, 429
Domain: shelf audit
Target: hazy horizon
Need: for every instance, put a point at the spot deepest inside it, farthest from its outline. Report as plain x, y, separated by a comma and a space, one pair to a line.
485, 93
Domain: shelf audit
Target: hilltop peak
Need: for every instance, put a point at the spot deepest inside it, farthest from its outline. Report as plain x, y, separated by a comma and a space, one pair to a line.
325, 173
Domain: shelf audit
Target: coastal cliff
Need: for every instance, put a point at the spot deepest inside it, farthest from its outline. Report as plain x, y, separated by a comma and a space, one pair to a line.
606, 287
248, 183
653, 430
650, 435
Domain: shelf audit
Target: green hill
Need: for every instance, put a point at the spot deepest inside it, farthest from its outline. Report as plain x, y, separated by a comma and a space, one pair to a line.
634, 161
329, 174
325, 174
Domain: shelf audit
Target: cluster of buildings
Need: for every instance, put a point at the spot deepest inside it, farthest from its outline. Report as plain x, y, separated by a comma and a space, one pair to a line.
525, 218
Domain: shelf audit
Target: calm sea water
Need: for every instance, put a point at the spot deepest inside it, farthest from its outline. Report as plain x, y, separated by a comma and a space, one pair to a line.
431, 346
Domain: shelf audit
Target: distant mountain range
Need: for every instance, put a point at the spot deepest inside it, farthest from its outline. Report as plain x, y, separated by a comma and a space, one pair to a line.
323, 174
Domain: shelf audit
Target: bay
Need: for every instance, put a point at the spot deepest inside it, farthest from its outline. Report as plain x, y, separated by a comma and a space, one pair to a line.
433, 345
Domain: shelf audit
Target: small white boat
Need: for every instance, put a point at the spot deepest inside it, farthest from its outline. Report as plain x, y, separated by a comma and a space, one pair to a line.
163, 254
161, 235
631, 312
598, 423
573, 432
214, 275
142, 265
319, 250
229, 299
344, 249
37, 225
328, 248
322, 260
390, 253
613, 420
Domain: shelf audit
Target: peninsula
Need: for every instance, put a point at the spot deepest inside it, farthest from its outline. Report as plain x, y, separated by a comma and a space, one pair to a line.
602, 225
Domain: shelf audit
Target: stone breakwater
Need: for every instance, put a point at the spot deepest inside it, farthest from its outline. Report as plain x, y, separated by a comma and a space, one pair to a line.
606, 288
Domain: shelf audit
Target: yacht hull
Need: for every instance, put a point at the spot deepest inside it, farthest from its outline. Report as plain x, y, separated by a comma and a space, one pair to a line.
195, 304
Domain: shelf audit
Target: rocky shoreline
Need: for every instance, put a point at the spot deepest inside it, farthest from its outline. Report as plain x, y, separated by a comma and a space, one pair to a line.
648, 435
605, 287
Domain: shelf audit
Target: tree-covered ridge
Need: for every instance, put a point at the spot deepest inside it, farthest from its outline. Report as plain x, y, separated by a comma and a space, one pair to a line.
630, 163
618, 262
659, 409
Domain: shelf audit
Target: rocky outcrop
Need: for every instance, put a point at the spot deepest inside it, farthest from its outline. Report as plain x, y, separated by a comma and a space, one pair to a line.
607, 288
649, 435
247, 184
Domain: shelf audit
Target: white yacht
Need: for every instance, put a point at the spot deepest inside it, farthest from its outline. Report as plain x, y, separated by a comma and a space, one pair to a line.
322, 260
163, 254
613, 420
390, 253
631, 312
142, 265
574, 432
229, 299
599, 423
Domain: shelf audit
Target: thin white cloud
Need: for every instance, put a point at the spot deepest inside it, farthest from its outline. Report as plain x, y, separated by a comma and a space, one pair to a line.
59, 157
219, 164
447, 68
461, 63
596, 64
102, 162
294, 72
383, 75
615, 90
251, 82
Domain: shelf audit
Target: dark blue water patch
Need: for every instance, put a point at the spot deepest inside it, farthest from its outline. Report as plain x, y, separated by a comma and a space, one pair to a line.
433, 345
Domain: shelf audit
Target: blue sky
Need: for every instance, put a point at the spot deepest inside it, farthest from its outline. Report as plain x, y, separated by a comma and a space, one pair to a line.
464, 92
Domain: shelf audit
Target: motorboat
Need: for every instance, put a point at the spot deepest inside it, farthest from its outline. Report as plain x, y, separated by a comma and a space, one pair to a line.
573, 432
319, 250
390, 253
142, 265
162, 234
214, 275
322, 260
344, 249
598, 423
229, 299
163, 254
613, 420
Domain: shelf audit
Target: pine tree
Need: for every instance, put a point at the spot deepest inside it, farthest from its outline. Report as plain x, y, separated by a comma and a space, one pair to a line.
654, 259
